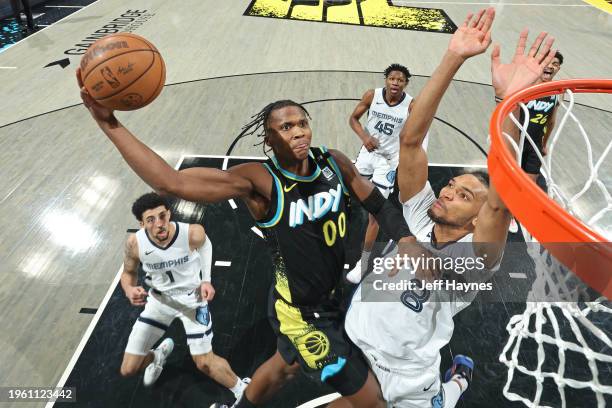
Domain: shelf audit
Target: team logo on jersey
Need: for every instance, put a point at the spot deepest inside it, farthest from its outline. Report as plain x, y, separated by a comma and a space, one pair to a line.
391, 176
288, 189
328, 173
315, 206
540, 105
313, 347
372, 13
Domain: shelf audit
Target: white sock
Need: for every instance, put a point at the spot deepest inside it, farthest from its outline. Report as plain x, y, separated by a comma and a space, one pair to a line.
453, 390
238, 389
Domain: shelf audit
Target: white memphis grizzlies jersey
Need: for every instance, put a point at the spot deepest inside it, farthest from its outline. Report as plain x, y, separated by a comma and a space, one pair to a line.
385, 122
172, 267
410, 329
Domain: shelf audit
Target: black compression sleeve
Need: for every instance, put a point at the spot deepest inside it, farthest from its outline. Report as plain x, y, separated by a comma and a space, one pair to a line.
389, 217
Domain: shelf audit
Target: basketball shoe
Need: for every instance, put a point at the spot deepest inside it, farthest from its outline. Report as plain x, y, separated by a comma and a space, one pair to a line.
160, 354
462, 366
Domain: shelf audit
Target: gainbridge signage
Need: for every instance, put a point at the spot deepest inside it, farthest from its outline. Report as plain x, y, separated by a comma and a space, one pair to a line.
371, 13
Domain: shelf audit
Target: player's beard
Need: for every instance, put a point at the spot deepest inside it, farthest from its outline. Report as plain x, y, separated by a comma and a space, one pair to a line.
441, 220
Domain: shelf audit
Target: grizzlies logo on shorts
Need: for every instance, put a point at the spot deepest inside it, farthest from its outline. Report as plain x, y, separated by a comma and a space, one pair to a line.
203, 315
438, 400
391, 176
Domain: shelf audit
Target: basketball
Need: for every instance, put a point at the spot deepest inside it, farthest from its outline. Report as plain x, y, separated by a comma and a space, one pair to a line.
123, 71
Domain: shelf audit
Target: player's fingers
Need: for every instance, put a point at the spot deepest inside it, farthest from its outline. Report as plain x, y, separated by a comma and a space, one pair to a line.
548, 59
522, 43
495, 55
487, 39
482, 17
545, 49
476, 19
488, 19
79, 77
467, 19
536, 44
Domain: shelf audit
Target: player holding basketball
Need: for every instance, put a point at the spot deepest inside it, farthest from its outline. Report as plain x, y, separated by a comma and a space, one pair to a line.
176, 258
467, 220
387, 108
542, 117
300, 198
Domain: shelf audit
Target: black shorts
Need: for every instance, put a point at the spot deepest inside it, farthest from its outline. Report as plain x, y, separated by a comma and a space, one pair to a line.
315, 338
530, 162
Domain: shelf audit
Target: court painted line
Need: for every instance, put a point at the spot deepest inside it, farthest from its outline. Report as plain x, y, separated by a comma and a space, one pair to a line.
76, 7
222, 156
317, 402
8, 67
223, 263
92, 324
603, 5
257, 231
491, 4
85, 338
517, 275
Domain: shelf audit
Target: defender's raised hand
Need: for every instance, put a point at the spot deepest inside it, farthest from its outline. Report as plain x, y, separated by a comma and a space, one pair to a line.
524, 70
99, 112
474, 35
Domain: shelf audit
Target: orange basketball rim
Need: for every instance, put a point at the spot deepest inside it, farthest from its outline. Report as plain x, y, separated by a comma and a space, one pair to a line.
568, 239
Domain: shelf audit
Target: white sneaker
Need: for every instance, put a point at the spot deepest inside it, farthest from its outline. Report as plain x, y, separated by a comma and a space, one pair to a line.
160, 354
513, 227
354, 275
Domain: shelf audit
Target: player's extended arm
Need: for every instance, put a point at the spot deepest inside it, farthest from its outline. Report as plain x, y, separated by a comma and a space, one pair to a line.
129, 277
197, 184
368, 141
388, 216
200, 241
472, 38
493, 219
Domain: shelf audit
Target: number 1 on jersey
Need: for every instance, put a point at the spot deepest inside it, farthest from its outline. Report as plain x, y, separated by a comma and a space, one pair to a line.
169, 273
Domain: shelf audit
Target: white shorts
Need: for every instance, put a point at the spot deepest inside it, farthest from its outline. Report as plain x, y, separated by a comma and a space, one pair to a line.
378, 169
417, 387
160, 311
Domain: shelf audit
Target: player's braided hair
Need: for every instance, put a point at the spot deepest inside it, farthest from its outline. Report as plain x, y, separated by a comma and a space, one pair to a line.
397, 67
258, 125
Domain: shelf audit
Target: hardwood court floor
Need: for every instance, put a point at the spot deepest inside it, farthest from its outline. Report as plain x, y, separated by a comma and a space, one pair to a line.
65, 192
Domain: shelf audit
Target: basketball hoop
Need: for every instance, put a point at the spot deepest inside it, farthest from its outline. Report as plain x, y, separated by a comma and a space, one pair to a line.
545, 219
558, 241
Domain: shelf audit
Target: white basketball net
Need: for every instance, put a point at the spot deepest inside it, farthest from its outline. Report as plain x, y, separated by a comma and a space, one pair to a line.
556, 294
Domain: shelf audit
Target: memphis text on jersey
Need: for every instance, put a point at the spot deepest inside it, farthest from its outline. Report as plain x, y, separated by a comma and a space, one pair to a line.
168, 264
